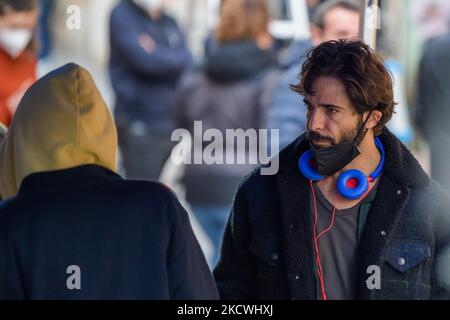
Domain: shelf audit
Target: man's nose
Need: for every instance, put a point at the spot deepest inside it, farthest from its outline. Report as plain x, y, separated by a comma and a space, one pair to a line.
316, 120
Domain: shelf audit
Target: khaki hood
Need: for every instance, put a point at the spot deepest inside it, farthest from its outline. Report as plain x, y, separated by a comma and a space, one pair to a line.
61, 122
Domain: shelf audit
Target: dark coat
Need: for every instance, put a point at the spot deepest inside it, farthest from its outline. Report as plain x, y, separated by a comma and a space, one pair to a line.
267, 250
144, 83
130, 239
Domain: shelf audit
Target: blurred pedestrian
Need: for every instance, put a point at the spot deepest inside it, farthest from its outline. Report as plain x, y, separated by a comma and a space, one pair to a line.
332, 20
432, 112
18, 48
227, 92
148, 55
312, 6
70, 227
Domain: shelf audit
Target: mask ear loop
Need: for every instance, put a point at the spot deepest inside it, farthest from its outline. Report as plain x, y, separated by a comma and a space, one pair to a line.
371, 179
316, 241
362, 133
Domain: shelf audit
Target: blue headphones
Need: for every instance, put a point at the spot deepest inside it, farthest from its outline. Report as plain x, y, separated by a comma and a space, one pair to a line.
352, 184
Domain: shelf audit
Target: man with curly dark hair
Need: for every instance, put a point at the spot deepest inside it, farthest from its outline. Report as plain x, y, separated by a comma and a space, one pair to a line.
350, 214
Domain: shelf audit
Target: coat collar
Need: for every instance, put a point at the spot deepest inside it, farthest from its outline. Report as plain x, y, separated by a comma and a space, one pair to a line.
401, 173
400, 164
76, 178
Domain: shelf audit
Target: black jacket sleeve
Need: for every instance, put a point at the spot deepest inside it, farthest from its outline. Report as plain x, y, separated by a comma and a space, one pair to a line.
235, 271
189, 274
11, 281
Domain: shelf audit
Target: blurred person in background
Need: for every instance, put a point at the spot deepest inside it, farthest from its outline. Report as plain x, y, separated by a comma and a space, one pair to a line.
332, 20
148, 55
227, 92
18, 20
66, 209
312, 6
431, 17
432, 113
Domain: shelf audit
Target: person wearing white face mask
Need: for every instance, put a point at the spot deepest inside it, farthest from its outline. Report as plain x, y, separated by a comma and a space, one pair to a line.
18, 19
14, 41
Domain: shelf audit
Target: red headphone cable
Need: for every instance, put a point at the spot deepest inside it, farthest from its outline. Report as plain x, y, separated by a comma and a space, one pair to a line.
316, 241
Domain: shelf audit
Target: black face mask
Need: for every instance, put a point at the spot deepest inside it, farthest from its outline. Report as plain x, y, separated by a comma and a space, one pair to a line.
333, 159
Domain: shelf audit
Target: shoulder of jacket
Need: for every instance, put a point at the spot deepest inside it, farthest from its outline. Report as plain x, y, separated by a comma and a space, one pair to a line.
121, 8
258, 185
257, 178
149, 190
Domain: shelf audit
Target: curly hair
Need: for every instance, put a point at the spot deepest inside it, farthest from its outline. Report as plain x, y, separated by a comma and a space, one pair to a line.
367, 82
242, 20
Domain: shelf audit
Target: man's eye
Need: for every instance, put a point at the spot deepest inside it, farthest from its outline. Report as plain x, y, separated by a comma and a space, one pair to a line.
332, 111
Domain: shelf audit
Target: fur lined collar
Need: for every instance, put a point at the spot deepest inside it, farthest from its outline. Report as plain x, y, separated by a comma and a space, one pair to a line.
400, 164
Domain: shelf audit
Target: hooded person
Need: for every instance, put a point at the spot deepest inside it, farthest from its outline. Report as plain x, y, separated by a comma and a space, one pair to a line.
70, 227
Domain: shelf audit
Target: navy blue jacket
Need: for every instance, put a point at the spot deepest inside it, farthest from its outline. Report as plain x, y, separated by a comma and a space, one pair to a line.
129, 239
144, 82
268, 251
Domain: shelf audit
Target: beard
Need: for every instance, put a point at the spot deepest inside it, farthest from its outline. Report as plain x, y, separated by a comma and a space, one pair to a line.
347, 135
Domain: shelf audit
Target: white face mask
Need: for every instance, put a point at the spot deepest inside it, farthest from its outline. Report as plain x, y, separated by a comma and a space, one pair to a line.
150, 5
14, 41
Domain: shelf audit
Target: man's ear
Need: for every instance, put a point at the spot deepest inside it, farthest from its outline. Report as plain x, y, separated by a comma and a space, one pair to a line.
316, 34
374, 119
